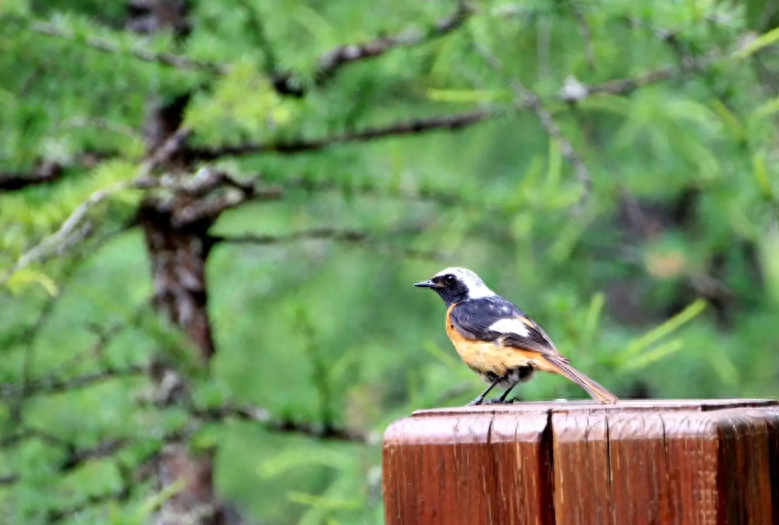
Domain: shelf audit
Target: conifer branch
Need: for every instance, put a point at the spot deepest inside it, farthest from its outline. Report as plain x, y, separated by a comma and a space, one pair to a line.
334, 234
145, 55
409, 127
332, 61
56, 385
62, 236
93, 500
284, 425
526, 98
320, 233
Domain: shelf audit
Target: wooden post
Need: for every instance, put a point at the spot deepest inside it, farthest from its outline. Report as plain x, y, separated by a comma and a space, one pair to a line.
710, 462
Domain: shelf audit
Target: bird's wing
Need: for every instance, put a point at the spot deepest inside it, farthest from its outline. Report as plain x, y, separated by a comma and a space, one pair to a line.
497, 319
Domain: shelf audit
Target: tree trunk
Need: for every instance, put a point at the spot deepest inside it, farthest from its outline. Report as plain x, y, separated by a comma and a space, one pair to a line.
178, 257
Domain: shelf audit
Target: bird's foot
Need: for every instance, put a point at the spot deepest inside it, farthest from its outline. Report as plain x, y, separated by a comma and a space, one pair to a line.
475, 402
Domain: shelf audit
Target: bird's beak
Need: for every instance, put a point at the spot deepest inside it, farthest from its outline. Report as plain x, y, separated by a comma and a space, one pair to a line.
426, 284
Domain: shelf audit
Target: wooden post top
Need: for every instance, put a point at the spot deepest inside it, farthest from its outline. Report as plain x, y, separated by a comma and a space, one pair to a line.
658, 462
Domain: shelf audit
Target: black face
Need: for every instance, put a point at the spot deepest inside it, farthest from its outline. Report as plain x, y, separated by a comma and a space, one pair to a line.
447, 286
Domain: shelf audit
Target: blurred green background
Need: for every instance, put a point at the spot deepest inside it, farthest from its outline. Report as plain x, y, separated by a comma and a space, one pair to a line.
658, 276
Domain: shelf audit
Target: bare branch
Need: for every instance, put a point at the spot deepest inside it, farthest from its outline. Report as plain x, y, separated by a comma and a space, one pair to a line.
577, 91
409, 127
211, 203
526, 98
320, 233
45, 172
264, 417
334, 234
332, 61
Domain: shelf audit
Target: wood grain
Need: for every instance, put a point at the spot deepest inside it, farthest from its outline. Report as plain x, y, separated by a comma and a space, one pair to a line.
680, 462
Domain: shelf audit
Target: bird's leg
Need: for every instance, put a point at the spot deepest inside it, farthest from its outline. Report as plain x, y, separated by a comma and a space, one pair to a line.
478, 400
502, 398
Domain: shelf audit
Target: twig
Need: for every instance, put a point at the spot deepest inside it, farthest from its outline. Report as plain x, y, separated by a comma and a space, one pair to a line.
58, 515
584, 29
527, 98
320, 233
334, 234
264, 417
332, 61
258, 31
328, 64
408, 127
145, 55
204, 183
30, 337
624, 86
55, 385
45, 172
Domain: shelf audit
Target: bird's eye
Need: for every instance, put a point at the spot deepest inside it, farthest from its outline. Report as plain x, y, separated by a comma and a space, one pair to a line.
449, 279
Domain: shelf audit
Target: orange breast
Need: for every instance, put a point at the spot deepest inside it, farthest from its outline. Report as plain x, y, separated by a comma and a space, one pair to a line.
485, 357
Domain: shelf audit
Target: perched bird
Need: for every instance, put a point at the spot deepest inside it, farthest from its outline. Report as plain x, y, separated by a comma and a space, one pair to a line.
497, 340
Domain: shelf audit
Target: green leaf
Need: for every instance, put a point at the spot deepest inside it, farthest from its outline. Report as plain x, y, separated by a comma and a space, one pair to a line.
469, 95
672, 324
764, 40
761, 174
27, 276
324, 502
655, 354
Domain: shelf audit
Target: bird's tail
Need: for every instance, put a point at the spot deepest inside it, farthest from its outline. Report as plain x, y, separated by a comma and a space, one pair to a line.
596, 391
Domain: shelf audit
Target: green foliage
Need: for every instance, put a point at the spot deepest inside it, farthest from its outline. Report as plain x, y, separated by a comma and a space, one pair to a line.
666, 281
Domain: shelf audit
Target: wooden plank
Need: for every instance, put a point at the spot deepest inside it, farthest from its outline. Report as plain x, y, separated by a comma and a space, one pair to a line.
582, 479
772, 426
522, 456
471, 467
639, 470
674, 462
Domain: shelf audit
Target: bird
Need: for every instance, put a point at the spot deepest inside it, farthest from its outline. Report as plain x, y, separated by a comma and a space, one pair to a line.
497, 340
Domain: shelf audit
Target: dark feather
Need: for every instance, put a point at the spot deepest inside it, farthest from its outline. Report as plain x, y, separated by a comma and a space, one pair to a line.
472, 319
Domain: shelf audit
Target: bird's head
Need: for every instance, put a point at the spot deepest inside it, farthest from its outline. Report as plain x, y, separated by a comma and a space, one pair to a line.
455, 284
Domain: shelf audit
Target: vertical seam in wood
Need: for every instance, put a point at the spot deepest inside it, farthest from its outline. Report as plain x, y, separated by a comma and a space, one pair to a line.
609, 495
548, 439
663, 506
491, 509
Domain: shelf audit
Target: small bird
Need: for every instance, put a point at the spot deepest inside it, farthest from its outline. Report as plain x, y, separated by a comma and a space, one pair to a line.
497, 340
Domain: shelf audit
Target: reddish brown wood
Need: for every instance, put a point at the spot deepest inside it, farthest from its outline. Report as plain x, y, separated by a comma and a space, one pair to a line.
687, 462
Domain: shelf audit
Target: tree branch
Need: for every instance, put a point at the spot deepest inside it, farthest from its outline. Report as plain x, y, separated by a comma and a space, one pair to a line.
45, 172
334, 234
48, 171
332, 61
526, 98
55, 385
409, 127
264, 417
145, 55
143, 181
93, 500
328, 64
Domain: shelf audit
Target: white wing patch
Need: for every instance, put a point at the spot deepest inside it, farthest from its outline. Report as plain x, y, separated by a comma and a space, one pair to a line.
512, 326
